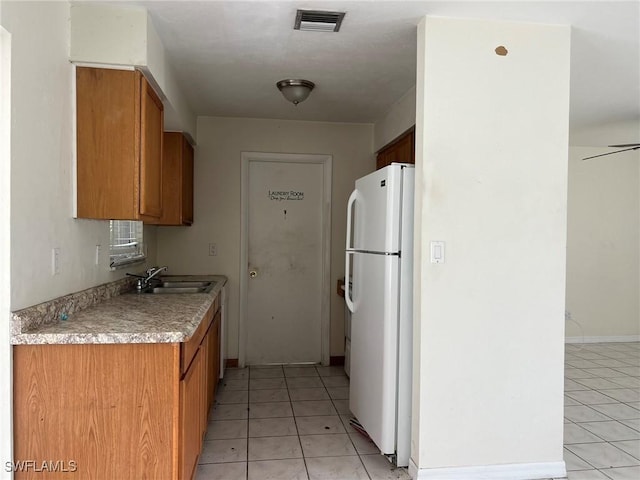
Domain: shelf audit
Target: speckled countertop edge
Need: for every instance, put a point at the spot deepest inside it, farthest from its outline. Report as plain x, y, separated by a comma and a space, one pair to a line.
123, 318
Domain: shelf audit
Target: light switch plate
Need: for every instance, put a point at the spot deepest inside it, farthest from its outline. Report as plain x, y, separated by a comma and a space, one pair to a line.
437, 251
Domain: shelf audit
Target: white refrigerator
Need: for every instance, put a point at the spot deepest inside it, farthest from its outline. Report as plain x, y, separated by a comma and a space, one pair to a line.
379, 257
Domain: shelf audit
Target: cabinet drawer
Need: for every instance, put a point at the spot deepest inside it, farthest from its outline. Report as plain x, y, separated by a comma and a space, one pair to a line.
189, 348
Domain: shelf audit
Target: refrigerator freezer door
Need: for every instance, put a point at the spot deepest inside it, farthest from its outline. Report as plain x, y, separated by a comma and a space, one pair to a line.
374, 345
376, 211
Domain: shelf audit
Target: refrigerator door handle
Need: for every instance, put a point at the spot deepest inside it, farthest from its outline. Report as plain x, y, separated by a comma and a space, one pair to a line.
347, 266
350, 203
347, 283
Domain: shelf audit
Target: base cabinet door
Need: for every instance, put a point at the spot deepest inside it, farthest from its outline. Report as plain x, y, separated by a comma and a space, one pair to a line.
191, 417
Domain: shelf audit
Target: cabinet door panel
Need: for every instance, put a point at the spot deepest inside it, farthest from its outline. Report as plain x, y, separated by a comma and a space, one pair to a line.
190, 418
151, 128
187, 183
106, 173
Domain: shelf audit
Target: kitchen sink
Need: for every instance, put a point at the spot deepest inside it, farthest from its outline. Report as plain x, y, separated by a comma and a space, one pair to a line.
178, 286
183, 284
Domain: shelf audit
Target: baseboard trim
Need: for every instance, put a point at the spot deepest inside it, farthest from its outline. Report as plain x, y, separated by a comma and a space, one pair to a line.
336, 361
515, 471
608, 339
231, 363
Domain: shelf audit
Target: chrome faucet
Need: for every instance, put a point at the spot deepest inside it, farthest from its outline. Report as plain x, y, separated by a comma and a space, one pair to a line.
144, 281
154, 271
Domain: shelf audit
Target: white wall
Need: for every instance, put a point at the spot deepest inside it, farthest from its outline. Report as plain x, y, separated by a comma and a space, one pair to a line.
42, 156
6, 364
217, 199
603, 245
125, 36
492, 182
400, 117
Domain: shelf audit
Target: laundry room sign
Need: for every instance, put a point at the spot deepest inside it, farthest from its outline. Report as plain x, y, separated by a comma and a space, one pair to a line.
280, 195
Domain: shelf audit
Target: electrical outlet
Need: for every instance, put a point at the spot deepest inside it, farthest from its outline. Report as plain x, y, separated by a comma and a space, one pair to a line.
55, 261
98, 251
213, 250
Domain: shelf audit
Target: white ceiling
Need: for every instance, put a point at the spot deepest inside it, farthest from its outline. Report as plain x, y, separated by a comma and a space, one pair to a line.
228, 55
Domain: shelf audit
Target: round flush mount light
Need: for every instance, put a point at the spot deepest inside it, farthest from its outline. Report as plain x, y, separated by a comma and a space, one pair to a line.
295, 90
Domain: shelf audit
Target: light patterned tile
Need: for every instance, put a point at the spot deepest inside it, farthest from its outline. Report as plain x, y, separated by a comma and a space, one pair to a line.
272, 427
617, 411
240, 384
267, 383
573, 462
598, 383
611, 431
274, 448
602, 372
292, 469
330, 371
574, 373
222, 471
308, 394
590, 397
625, 473
224, 429
573, 385
586, 475
363, 445
236, 411
632, 423
222, 451
271, 395
342, 406
627, 381
270, 410
584, 414
304, 382
632, 447
338, 393
326, 445
602, 455
313, 407
232, 396
623, 394
336, 381
300, 372
379, 468
266, 372
236, 373
333, 468
574, 433
319, 425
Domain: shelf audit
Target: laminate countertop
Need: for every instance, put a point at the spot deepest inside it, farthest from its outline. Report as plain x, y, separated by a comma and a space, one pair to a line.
131, 318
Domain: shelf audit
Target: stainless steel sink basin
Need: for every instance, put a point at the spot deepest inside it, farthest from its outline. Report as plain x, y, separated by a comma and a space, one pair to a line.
179, 286
183, 284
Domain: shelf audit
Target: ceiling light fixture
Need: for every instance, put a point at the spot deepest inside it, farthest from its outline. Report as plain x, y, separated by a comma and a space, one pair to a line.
295, 91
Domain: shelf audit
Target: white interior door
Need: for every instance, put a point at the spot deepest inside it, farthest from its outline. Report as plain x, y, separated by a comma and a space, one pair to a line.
285, 262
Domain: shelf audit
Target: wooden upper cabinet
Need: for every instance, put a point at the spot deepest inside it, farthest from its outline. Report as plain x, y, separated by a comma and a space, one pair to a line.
400, 150
119, 145
177, 180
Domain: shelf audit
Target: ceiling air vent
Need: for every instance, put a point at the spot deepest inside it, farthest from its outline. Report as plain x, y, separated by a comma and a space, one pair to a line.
318, 21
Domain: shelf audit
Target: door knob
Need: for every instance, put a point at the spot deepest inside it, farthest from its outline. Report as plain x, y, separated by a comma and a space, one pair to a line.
253, 274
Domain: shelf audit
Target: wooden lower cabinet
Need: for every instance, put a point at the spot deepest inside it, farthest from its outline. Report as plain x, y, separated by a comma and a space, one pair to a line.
113, 412
191, 415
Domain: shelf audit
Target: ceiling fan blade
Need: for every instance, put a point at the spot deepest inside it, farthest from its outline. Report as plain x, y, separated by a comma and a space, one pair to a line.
611, 153
626, 145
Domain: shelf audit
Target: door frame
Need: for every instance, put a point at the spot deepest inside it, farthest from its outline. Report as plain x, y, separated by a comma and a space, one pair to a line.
325, 317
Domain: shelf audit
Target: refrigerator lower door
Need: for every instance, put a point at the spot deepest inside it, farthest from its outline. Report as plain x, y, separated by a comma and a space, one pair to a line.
374, 346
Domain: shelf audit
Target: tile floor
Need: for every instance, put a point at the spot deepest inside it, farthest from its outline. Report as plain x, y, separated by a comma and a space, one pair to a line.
602, 411
288, 423
293, 422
